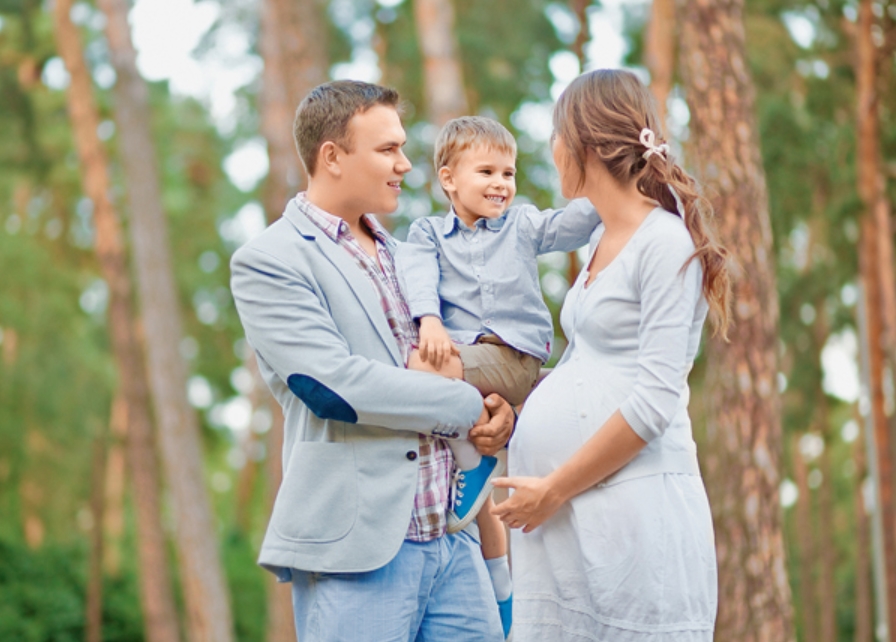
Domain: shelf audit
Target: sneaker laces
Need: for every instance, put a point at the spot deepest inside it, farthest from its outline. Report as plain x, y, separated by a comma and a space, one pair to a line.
456, 490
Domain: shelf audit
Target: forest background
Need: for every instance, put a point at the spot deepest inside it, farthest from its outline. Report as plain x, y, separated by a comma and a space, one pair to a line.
129, 176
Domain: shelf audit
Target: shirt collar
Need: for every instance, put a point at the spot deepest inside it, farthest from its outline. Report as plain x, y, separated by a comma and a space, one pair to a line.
453, 223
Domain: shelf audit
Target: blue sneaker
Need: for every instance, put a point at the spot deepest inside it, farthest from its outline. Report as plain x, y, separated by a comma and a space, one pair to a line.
470, 489
505, 608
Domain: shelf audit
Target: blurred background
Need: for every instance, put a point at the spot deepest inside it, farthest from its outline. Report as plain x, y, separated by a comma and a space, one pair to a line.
142, 142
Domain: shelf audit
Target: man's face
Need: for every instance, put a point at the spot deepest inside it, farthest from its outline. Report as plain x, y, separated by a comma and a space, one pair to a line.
374, 169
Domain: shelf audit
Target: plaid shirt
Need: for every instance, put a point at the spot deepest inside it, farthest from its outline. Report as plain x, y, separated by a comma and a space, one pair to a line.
429, 518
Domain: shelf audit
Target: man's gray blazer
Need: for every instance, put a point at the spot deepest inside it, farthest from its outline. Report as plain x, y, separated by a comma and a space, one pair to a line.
353, 413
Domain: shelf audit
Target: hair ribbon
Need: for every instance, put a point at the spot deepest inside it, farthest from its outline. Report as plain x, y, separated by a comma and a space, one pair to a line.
648, 139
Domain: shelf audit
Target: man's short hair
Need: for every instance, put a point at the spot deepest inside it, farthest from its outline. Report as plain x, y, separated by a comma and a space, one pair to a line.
460, 134
324, 115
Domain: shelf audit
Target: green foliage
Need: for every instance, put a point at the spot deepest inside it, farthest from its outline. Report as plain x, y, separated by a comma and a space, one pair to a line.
42, 597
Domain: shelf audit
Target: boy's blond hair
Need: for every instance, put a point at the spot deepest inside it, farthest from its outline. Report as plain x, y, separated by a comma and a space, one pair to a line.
460, 134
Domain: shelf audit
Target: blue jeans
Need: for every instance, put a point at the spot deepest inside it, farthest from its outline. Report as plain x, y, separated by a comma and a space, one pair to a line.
430, 592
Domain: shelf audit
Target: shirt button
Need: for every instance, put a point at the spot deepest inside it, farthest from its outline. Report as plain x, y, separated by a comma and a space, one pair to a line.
488, 322
578, 382
475, 240
583, 414
411, 455
485, 287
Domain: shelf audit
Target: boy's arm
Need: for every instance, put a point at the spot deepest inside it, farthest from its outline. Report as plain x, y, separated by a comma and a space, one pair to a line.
288, 324
562, 230
417, 261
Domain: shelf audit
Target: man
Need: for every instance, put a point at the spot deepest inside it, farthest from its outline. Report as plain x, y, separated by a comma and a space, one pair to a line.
359, 524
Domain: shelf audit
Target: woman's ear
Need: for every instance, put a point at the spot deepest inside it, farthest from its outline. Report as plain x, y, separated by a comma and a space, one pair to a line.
328, 158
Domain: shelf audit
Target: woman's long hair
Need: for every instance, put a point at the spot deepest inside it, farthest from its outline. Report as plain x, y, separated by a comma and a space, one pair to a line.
606, 110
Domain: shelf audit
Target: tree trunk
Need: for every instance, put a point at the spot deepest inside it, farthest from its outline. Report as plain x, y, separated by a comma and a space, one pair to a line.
94, 601
443, 81
864, 608
159, 613
659, 52
293, 47
204, 588
805, 533
113, 521
744, 424
281, 627
876, 269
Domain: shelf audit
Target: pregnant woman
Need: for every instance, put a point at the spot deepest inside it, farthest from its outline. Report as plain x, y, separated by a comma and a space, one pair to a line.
615, 540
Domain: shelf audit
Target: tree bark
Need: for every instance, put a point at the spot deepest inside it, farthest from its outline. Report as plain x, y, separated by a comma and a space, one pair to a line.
443, 80
204, 587
157, 601
659, 52
744, 424
876, 269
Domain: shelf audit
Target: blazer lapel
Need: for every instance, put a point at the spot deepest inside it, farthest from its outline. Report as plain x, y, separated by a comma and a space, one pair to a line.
359, 283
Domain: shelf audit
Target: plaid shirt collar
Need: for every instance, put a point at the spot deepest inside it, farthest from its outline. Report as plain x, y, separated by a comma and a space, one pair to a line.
335, 227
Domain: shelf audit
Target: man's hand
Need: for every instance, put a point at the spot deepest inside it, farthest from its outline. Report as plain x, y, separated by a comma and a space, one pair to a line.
435, 344
494, 426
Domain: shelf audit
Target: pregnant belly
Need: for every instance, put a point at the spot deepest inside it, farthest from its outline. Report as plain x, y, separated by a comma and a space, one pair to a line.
548, 430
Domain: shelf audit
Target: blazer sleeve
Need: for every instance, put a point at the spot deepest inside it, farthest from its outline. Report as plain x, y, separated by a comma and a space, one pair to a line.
562, 230
418, 266
287, 322
669, 297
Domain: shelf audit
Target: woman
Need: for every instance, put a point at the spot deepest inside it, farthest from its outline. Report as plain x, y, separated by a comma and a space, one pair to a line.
616, 540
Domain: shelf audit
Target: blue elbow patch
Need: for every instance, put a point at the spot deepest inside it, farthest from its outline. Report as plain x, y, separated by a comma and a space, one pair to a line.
322, 401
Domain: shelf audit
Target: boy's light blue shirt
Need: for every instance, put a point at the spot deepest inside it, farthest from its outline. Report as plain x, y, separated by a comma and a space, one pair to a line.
485, 279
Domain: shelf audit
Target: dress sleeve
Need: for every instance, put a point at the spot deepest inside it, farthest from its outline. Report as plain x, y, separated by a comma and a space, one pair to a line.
561, 230
417, 261
669, 296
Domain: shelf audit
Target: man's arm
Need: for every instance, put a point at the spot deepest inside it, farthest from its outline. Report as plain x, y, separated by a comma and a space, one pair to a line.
288, 324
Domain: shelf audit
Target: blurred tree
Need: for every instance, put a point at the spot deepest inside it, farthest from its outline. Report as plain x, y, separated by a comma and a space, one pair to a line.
159, 612
659, 51
205, 591
876, 268
443, 84
744, 424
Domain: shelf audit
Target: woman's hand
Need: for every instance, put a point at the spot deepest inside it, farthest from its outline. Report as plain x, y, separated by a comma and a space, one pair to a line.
533, 502
436, 345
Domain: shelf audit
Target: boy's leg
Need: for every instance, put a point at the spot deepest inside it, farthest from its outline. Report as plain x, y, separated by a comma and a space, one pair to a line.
492, 366
493, 538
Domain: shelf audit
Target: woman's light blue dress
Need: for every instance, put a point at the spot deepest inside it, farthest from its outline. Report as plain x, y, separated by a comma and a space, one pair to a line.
632, 559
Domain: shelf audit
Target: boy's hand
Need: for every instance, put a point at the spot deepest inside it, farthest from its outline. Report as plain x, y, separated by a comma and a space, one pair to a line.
494, 426
435, 344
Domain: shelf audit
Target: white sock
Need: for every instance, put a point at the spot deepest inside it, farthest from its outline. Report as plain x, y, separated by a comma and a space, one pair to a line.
499, 570
465, 454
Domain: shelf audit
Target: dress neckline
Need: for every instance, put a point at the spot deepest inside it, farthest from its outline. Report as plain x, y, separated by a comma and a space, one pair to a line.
587, 286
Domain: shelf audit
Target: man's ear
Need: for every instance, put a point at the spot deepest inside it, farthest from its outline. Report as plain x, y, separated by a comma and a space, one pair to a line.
446, 179
328, 158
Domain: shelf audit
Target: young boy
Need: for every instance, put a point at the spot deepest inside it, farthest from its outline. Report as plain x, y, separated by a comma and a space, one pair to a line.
471, 281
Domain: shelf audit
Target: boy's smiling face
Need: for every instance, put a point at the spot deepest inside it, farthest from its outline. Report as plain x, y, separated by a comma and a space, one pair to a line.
481, 184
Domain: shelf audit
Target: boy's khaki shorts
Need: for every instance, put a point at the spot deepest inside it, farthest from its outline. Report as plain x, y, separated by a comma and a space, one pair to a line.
490, 365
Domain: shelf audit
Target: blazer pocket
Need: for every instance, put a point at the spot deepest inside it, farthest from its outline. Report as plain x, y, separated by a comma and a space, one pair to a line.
318, 499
